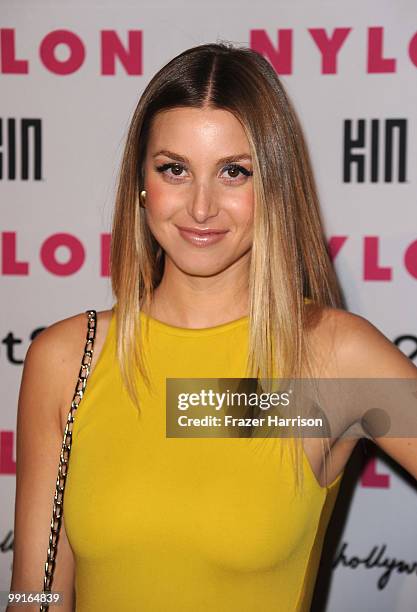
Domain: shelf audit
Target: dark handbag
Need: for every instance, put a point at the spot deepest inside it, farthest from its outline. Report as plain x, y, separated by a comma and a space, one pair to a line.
64, 458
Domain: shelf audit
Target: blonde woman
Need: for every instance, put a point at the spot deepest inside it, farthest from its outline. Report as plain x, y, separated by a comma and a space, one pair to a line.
219, 270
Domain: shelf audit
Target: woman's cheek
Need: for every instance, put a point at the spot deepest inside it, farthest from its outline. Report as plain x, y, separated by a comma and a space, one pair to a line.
242, 208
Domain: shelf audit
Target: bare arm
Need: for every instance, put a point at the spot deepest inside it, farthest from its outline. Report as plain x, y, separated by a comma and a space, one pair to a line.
367, 371
48, 381
368, 353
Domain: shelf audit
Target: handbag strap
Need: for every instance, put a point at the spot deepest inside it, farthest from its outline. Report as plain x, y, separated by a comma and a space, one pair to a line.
65, 454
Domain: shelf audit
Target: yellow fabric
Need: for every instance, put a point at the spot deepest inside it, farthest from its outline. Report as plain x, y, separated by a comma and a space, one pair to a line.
162, 524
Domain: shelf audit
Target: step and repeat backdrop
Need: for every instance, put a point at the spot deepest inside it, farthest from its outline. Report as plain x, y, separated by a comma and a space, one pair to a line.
71, 74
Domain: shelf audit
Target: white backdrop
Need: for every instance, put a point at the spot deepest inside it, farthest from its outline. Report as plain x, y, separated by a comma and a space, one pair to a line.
342, 61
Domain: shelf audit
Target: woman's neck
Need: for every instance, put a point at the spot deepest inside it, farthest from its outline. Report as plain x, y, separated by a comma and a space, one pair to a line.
189, 301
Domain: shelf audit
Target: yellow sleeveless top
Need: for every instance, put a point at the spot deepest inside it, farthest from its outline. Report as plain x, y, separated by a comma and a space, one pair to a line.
161, 524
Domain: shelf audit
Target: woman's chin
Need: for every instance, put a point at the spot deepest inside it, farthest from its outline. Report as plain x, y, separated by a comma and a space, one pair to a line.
198, 267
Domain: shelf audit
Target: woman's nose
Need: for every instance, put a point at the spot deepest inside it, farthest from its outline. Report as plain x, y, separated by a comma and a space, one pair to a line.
203, 203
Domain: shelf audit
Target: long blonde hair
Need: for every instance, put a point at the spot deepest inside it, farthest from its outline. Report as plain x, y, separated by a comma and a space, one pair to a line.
289, 258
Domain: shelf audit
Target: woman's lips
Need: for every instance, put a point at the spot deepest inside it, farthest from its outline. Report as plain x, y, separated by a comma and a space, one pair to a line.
202, 239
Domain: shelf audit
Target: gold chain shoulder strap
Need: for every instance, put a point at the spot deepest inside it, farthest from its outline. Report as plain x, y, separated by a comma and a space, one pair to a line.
65, 454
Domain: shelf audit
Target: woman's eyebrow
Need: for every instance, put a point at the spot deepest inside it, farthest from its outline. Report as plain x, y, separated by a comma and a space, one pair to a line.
223, 160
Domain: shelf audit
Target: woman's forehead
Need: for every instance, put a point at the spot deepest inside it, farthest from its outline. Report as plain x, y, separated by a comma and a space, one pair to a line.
184, 130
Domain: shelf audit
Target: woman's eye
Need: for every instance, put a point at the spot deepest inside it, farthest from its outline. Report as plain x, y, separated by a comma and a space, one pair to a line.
233, 170
176, 169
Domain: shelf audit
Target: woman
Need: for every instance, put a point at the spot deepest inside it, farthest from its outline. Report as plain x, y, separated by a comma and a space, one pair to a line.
220, 270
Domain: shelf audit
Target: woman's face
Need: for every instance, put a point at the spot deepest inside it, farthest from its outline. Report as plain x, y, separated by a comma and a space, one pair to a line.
190, 185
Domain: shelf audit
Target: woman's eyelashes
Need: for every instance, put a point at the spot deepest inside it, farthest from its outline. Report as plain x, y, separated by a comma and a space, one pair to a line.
232, 178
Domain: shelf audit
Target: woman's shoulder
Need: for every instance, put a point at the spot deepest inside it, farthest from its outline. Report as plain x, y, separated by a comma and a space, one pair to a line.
54, 356
329, 320
351, 346
67, 336
329, 331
